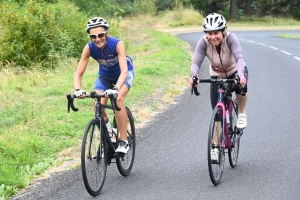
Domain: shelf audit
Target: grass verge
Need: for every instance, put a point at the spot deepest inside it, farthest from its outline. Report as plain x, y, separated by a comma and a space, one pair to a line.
291, 36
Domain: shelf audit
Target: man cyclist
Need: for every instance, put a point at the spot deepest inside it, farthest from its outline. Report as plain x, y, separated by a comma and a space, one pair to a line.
115, 71
224, 52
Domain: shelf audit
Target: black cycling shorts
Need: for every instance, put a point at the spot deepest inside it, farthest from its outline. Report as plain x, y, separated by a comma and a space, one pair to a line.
235, 88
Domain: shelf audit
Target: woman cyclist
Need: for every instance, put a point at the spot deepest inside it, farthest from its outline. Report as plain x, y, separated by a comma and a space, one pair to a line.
115, 71
224, 52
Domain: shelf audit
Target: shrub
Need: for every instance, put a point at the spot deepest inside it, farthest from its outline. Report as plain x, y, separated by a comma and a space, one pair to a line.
39, 33
145, 7
296, 13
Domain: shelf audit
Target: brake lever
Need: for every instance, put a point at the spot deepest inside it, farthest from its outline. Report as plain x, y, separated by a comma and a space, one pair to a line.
237, 78
71, 103
194, 88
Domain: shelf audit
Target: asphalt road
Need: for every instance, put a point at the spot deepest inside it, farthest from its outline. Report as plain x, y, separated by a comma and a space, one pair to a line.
171, 160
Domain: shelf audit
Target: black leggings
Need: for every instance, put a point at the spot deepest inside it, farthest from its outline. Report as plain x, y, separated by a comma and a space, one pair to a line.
235, 88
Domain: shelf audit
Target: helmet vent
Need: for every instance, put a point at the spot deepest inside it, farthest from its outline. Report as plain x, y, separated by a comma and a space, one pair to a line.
216, 19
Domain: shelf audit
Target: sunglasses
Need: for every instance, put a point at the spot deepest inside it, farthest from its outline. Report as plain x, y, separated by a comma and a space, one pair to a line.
99, 35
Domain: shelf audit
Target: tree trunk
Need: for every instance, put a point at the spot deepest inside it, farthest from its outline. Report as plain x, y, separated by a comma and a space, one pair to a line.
292, 5
248, 8
232, 9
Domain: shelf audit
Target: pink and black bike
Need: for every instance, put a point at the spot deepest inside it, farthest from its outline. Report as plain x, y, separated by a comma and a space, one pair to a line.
223, 133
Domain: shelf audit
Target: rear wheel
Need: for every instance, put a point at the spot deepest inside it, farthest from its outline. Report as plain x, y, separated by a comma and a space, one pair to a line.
234, 139
216, 166
93, 158
125, 163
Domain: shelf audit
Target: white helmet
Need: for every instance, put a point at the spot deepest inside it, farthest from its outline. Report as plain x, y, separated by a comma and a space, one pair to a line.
214, 22
96, 22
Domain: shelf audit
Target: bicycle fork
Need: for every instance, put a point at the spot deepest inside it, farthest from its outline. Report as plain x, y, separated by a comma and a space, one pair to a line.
225, 135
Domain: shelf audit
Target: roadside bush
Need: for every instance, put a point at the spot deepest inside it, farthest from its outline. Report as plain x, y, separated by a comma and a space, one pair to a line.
296, 13
40, 33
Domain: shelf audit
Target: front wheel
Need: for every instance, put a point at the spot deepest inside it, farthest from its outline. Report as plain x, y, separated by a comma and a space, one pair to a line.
215, 160
93, 158
233, 153
125, 163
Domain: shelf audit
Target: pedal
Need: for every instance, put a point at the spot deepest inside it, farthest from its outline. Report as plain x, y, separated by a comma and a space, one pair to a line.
214, 162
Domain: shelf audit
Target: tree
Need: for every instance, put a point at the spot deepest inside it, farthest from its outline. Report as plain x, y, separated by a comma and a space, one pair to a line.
162, 5
248, 8
232, 9
202, 6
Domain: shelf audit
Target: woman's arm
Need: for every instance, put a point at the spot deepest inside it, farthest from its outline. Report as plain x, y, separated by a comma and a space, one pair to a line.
123, 64
81, 67
200, 52
234, 45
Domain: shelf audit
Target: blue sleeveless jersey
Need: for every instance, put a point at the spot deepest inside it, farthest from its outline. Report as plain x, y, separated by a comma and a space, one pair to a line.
108, 58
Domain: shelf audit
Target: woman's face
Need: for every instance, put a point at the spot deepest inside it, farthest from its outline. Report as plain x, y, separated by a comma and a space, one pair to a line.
98, 36
215, 37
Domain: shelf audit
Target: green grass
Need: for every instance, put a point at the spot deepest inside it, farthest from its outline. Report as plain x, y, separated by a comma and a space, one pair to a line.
287, 35
35, 126
264, 23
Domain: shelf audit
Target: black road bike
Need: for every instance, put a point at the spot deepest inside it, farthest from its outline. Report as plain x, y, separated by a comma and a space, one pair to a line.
98, 150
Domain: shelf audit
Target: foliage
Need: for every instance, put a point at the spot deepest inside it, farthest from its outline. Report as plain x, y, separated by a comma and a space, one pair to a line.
296, 12
145, 7
203, 6
180, 18
163, 5
261, 8
103, 8
40, 33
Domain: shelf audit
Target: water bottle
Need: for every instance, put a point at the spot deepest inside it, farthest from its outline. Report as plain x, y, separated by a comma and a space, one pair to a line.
115, 128
108, 126
227, 117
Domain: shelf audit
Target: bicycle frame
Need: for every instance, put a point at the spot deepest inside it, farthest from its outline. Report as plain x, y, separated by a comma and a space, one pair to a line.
104, 131
220, 104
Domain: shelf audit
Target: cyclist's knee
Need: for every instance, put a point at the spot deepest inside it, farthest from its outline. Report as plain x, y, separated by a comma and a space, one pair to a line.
120, 101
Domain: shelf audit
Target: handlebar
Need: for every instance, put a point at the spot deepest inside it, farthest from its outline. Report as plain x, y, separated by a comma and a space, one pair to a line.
110, 93
216, 80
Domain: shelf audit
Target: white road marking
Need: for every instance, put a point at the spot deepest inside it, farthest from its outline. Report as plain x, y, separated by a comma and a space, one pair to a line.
297, 58
273, 47
287, 53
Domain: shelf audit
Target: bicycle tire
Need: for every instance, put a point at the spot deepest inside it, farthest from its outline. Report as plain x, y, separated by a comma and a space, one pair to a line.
125, 163
233, 153
215, 168
93, 165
